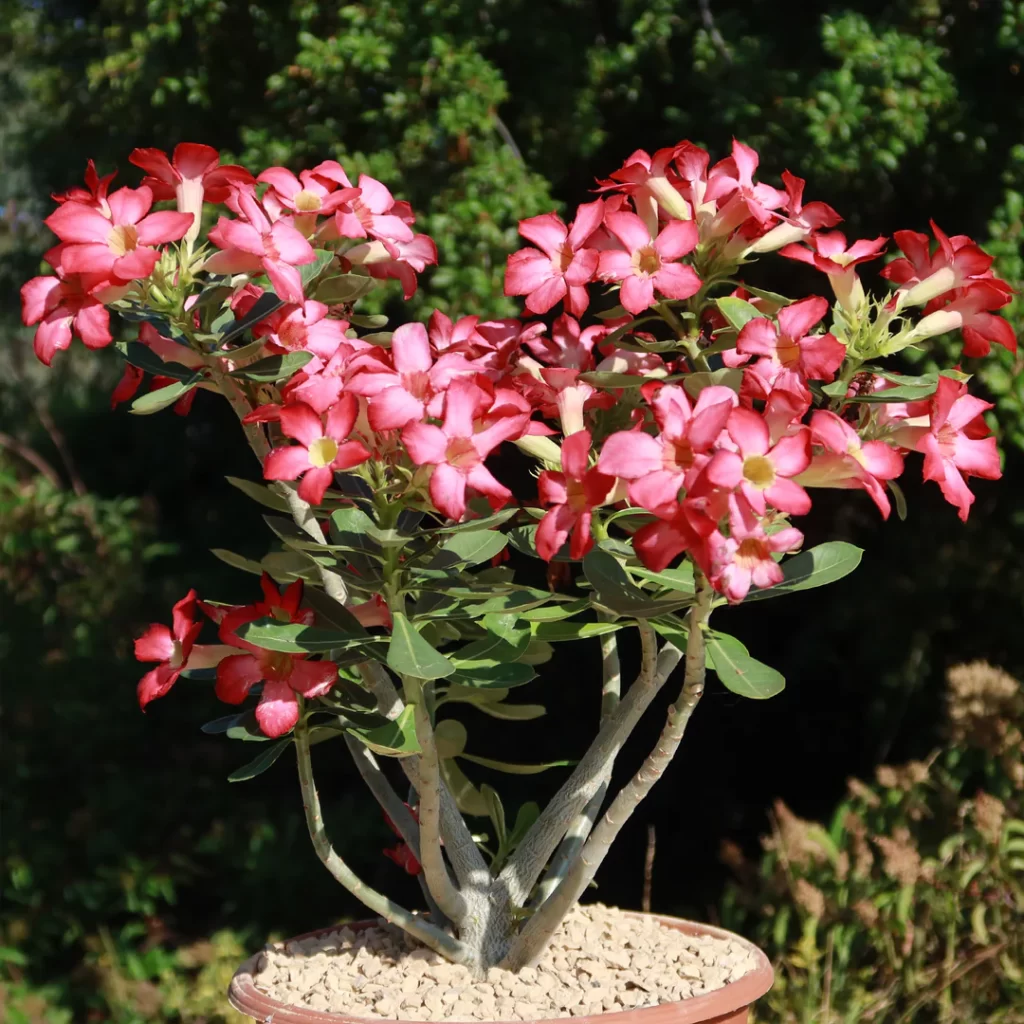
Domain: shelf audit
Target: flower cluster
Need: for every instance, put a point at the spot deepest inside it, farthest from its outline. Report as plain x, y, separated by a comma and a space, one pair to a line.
694, 415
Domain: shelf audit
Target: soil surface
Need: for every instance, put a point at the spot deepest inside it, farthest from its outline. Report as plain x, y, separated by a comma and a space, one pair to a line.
600, 961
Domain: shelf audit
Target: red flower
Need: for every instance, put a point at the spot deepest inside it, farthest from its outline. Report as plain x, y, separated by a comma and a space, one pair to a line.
175, 649
647, 263
571, 495
283, 675
322, 450
120, 246
560, 266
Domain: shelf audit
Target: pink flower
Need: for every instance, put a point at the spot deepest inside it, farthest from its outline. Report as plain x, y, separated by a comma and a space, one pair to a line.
788, 349
252, 242
571, 496
760, 472
561, 266
283, 675
969, 311
745, 558
801, 220
322, 450
397, 259
94, 194
67, 306
848, 462
652, 182
307, 196
646, 264
732, 179
191, 176
175, 649
828, 252
413, 386
306, 326
686, 529
460, 336
121, 246
568, 347
457, 450
371, 213
954, 444
657, 467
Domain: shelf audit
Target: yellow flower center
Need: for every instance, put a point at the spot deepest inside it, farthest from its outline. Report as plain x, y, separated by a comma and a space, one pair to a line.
750, 552
788, 351
322, 452
461, 453
758, 471
646, 260
123, 239
306, 201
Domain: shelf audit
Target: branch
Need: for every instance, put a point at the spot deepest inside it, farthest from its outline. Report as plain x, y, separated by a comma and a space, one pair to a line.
383, 689
33, 458
539, 929
712, 29
419, 927
521, 873
611, 685
447, 896
60, 443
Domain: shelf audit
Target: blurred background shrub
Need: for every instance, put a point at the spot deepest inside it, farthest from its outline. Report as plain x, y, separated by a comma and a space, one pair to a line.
135, 877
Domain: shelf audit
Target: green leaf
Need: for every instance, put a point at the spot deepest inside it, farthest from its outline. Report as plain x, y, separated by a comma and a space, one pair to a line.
738, 312
553, 632
528, 814
514, 769
237, 561
475, 546
495, 812
608, 379
274, 368
298, 638
489, 650
744, 675
259, 493
695, 383
512, 712
146, 359
396, 738
263, 307
763, 293
478, 524
449, 738
899, 499
410, 655
261, 762
467, 797
502, 676
823, 564
344, 288
10, 955
352, 529
371, 323
617, 593
680, 578
154, 401
221, 725
312, 272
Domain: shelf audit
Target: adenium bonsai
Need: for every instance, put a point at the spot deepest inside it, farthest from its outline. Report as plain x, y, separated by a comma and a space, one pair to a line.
674, 440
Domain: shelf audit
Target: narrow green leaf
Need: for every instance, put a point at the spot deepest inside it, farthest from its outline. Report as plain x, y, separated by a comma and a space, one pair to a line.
297, 638
154, 401
495, 812
396, 738
738, 312
259, 493
553, 632
410, 655
343, 288
449, 738
502, 676
475, 546
695, 383
261, 762
312, 272
615, 592
899, 498
146, 359
274, 368
512, 712
237, 561
371, 323
467, 797
608, 379
823, 564
514, 769
740, 673
263, 307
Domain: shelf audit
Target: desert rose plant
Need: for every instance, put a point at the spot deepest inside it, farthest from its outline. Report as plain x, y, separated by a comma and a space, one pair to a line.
674, 440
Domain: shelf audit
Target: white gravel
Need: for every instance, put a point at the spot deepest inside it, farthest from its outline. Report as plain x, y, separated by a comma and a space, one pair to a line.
601, 960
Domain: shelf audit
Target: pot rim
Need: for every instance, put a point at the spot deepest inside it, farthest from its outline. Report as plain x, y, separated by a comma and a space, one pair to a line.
245, 997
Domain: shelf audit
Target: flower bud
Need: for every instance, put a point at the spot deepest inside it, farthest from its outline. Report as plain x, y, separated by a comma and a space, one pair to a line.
541, 448
780, 235
931, 287
939, 322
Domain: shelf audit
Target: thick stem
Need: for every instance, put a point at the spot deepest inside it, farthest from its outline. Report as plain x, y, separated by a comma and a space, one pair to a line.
435, 870
524, 867
420, 928
611, 686
538, 931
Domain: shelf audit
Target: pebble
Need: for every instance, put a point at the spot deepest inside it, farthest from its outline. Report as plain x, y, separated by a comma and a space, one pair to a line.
600, 961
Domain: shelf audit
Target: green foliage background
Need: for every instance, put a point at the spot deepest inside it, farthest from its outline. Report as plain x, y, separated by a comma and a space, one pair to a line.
122, 845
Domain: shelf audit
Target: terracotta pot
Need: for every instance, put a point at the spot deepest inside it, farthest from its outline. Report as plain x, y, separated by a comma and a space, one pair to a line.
728, 1005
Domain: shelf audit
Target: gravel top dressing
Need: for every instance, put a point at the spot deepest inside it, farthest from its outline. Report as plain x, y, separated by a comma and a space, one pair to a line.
600, 961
